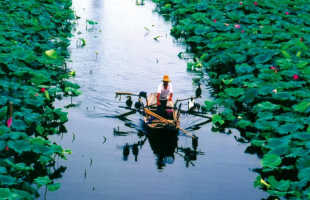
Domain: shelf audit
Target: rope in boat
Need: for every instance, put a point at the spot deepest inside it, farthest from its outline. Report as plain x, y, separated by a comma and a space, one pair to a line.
166, 121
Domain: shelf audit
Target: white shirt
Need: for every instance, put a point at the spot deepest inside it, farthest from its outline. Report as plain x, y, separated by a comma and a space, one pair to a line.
164, 94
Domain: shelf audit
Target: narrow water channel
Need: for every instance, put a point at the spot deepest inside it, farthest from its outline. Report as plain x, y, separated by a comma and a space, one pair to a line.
130, 165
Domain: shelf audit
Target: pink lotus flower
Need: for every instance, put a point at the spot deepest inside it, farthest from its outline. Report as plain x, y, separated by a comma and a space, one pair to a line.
301, 39
227, 24
272, 67
42, 89
242, 31
274, 91
255, 3
261, 26
287, 13
240, 3
6, 148
214, 20
237, 26
295, 76
36, 95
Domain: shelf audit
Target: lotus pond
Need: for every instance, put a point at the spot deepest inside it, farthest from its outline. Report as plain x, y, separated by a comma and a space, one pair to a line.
125, 46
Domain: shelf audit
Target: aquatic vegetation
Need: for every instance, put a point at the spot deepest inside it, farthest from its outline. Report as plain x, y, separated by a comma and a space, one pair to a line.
34, 36
257, 59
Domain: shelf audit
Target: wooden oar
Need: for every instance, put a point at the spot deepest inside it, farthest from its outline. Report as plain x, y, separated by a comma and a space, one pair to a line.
166, 121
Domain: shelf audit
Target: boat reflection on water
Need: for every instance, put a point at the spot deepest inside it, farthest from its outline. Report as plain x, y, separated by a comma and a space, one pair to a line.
164, 146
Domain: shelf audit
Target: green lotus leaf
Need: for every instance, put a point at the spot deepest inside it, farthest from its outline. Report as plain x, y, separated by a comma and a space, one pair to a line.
244, 124
265, 115
265, 125
280, 150
300, 184
22, 194
42, 181
5, 193
303, 162
19, 125
34, 102
5, 58
257, 143
209, 104
53, 187
301, 136
40, 129
271, 160
298, 152
33, 118
51, 54
7, 180
302, 107
304, 173
4, 129
2, 145
286, 54
18, 166
301, 64
234, 92
217, 119
255, 50
265, 90
277, 193
3, 170
3, 111
14, 135
202, 30
274, 142
235, 15
243, 69
284, 96
44, 159
250, 96
289, 128
91, 22
45, 150
262, 58
19, 146
306, 71
267, 106
278, 185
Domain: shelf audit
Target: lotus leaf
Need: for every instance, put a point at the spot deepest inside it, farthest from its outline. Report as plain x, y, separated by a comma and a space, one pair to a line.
289, 128
278, 185
53, 187
217, 119
234, 92
257, 142
267, 106
297, 152
42, 181
22, 194
5, 193
265, 115
19, 125
270, 160
302, 107
304, 173
7, 180
244, 124
280, 150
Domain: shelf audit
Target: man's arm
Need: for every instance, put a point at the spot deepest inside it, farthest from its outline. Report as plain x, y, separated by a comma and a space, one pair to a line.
170, 97
158, 103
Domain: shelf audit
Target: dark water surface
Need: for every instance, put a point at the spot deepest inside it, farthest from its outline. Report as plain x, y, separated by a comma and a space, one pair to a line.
131, 165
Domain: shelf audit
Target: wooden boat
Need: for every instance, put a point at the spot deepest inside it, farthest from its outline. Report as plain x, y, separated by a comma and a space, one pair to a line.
172, 115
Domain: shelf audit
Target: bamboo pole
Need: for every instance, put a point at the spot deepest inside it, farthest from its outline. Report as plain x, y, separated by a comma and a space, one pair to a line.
166, 121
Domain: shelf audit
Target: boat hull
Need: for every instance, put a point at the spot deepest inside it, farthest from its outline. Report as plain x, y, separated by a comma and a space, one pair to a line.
172, 116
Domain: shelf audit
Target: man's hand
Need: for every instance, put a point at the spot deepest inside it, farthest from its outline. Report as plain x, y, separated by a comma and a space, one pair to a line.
158, 103
169, 99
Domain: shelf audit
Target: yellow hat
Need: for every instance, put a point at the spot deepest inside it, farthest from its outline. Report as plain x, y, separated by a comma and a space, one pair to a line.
166, 78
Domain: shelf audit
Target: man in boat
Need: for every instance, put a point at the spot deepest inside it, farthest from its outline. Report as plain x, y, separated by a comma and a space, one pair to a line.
164, 94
